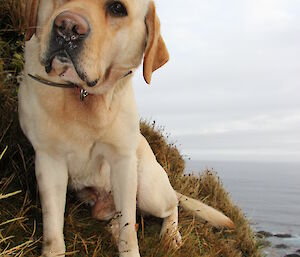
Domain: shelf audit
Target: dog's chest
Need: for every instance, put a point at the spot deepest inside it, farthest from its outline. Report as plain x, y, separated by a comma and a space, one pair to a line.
89, 170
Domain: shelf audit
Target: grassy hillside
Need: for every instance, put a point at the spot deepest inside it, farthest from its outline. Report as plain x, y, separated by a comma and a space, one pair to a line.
20, 211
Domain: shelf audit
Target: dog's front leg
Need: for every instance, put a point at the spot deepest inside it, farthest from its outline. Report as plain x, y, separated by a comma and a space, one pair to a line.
124, 185
52, 179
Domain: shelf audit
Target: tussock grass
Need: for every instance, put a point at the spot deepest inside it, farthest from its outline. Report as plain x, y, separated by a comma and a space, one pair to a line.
20, 211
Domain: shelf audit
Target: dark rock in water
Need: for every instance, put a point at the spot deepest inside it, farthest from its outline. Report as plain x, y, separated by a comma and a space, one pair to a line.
265, 243
281, 246
283, 235
298, 251
261, 234
292, 255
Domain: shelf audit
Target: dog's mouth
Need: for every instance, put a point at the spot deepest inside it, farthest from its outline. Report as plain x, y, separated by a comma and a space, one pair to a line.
62, 64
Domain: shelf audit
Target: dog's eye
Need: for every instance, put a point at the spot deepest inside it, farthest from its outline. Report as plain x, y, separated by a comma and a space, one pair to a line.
117, 9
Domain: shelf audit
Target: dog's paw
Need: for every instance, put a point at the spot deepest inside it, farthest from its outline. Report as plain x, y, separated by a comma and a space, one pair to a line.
130, 253
53, 248
128, 248
171, 237
53, 253
176, 240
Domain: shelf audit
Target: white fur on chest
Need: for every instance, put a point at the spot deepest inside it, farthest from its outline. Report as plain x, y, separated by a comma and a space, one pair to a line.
90, 169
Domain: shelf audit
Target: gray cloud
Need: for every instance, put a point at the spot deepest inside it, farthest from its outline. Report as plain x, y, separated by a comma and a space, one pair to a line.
234, 76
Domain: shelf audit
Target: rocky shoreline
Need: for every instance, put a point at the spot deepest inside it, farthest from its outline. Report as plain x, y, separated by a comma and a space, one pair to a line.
266, 236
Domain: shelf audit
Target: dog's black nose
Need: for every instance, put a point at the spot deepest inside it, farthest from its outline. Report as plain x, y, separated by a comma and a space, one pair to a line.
71, 26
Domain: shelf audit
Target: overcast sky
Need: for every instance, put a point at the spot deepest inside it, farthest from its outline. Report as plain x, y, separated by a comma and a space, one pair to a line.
231, 90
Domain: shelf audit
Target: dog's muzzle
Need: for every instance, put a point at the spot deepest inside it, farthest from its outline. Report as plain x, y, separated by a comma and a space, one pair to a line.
68, 34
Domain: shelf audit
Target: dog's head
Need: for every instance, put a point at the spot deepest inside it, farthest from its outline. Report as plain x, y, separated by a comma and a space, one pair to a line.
95, 43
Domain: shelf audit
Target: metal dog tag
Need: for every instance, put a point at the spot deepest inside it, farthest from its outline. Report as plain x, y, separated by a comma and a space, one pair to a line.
83, 94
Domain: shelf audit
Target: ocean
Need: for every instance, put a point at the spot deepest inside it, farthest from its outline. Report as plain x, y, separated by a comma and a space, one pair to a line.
268, 194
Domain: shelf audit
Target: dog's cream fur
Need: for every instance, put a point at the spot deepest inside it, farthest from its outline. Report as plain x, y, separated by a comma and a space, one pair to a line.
97, 143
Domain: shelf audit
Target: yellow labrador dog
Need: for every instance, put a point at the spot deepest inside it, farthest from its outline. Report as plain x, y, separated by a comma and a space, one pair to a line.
77, 107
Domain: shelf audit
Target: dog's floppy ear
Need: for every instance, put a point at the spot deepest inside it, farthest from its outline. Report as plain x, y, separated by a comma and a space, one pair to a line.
156, 53
31, 17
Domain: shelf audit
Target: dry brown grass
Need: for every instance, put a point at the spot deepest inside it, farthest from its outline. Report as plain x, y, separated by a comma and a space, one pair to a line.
20, 212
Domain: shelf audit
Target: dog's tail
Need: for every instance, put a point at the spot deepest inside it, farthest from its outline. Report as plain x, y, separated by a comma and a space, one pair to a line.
203, 211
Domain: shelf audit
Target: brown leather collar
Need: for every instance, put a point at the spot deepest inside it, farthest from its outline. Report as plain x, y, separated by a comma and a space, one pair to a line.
83, 93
